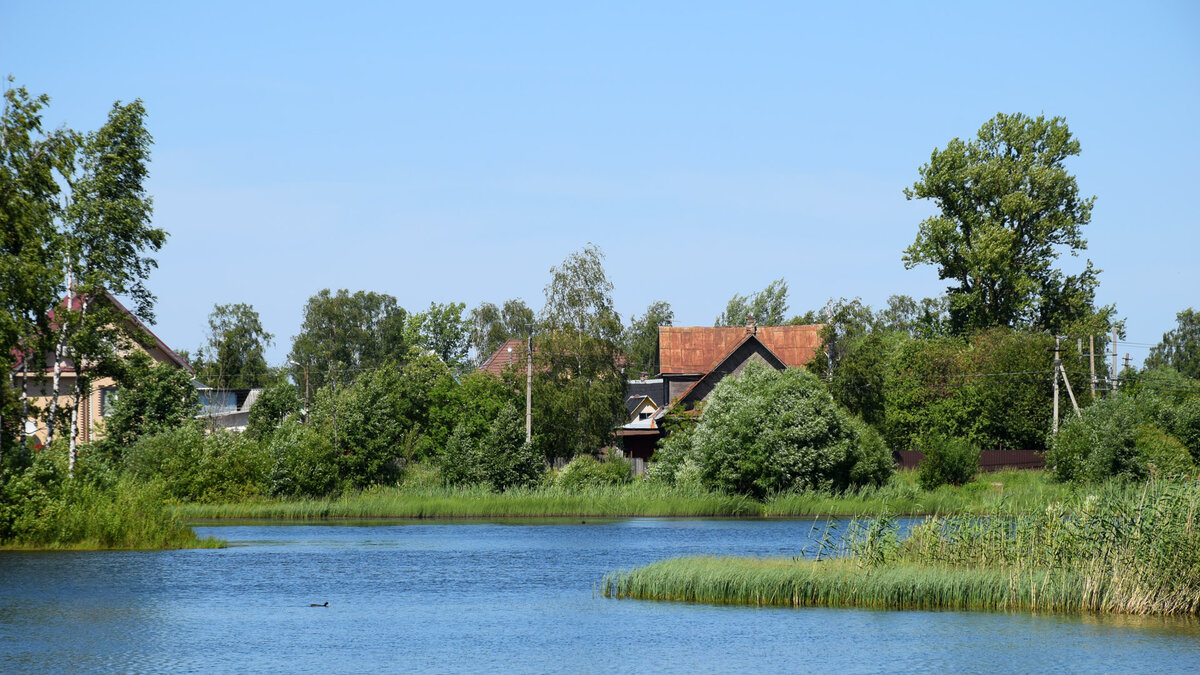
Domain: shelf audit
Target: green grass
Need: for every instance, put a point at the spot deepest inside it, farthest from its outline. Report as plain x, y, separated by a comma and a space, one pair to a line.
1021, 490
124, 515
1118, 549
614, 501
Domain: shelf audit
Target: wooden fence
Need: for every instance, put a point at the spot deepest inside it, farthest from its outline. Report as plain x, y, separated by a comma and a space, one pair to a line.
989, 460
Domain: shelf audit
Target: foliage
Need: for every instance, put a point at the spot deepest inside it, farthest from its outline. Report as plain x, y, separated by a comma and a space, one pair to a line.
1180, 346
578, 386
586, 471
303, 462
499, 457
1128, 437
274, 405
150, 397
348, 333
858, 382
200, 467
235, 355
766, 431
947, 461
768, 306
492, 326
641, 338
1007, 207
442, 330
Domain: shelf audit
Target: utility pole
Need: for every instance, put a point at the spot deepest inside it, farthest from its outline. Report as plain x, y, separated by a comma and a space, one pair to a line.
1067, 382
529, 391
1092, 361
1112, 374
1057, 365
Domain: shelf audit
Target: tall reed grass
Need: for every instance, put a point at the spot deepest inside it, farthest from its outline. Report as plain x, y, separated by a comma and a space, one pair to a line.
86, 515
1117, 550
476, 502
1017, 489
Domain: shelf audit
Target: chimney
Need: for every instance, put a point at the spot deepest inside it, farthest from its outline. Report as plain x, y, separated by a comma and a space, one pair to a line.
750, 327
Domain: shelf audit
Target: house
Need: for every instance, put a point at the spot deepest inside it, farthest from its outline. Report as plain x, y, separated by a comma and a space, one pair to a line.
95, 404
227, 409
693, 360
513, 353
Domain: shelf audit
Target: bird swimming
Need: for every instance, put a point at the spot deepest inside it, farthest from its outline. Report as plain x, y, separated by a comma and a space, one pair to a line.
316, 605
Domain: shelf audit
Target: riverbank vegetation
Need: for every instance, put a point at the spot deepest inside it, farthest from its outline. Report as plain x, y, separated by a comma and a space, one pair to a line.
1116, 549
41, 507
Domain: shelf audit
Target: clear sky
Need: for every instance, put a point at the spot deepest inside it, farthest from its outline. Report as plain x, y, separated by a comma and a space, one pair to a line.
454, 151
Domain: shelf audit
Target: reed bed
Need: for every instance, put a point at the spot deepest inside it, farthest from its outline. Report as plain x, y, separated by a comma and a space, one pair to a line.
1019, 490
613, 501
1118, 550
125, 515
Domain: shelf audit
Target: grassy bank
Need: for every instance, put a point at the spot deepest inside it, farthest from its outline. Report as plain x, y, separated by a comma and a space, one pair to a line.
1116, 550
1021, 490
614, 501
85, 515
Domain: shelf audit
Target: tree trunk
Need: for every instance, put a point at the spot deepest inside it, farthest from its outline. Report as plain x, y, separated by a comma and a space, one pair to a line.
59, 348
74, 423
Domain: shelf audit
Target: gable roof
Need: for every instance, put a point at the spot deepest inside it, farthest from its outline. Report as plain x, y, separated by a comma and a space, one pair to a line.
731, 363
140, 329
700, 349
503, 358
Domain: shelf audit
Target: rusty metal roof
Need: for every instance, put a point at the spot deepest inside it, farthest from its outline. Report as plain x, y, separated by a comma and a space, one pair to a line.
700, 349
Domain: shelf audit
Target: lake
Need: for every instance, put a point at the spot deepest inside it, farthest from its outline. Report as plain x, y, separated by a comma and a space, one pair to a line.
487, 597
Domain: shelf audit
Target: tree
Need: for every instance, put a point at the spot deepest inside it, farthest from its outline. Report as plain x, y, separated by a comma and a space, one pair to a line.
641, 338
442, 330
150, 397
769, 307
766, 431
348, 333
1180, 347
235, 354
30, 277
491, 326
578, 386
1008, 207
920, 319
274, 405
105, 235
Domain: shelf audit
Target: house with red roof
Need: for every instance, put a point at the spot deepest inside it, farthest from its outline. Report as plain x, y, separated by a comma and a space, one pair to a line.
96, 403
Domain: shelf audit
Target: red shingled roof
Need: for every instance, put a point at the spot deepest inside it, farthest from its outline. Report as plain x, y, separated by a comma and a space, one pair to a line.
699, 350
502, 358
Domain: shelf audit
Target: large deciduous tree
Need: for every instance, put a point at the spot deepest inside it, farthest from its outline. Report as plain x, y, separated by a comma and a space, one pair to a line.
442, 330
235, 354
491, 326
105, 235
30, 276
1008, 208
578, 387
1180, 347
769, 307
641, 338
347, 333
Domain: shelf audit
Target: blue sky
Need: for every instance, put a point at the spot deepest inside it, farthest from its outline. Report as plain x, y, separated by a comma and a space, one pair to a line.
456, 151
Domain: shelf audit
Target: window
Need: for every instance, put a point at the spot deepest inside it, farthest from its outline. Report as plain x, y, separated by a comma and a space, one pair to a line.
108, 396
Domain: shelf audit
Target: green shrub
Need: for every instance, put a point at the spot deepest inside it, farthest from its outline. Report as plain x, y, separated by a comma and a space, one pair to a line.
1161, 452
1102, 443
304, 462
274, 405
766, 431
194, 466
499, 456
948, 461
586, 471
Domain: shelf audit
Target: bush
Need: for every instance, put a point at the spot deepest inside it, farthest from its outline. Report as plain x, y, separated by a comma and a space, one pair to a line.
1103, 442
305, 464
193, 466
499, 456
586, 471
274, 405
1161, 452
766, 431
948, 461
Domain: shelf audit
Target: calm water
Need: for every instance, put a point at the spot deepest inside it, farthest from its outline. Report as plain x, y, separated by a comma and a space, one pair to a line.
500, 598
